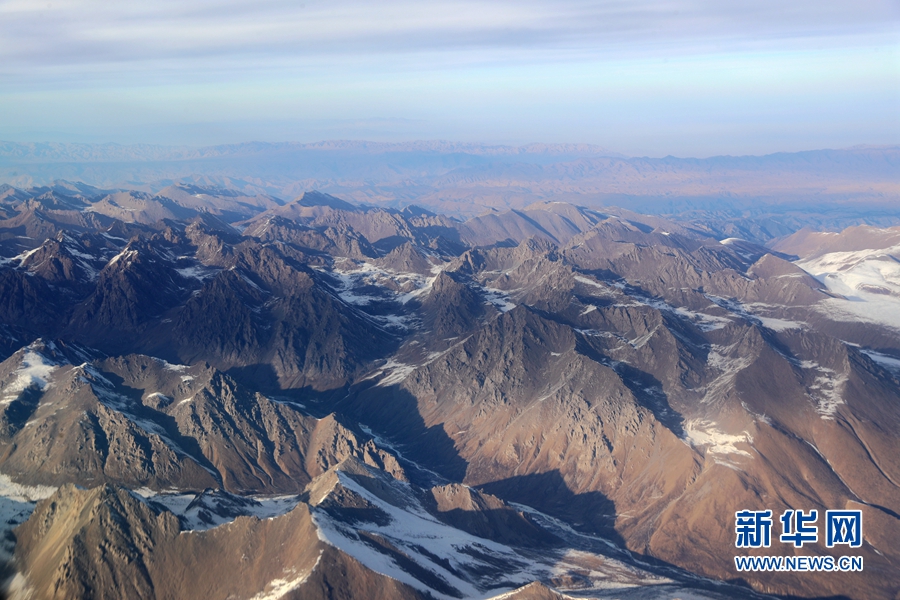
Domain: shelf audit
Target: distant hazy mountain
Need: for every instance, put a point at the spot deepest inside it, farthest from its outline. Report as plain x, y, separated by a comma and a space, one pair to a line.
856, 186
73, 152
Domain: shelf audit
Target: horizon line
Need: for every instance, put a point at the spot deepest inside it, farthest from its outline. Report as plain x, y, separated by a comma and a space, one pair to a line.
594, 149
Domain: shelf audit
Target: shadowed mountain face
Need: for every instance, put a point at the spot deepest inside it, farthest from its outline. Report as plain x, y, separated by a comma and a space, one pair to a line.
538, 402
117, 545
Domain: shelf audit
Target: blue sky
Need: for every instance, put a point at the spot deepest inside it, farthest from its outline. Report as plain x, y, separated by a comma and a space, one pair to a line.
643, 77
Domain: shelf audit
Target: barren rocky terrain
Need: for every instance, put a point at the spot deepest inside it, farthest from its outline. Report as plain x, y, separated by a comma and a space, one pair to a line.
214, 392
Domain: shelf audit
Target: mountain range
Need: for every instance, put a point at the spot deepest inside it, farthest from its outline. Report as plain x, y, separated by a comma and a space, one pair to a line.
850, 186
214, 392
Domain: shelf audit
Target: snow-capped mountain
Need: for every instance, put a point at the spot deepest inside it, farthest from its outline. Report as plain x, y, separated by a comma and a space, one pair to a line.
213, 394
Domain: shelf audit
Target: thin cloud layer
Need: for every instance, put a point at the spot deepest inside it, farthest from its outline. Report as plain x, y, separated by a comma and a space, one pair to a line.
638, 76
169, 35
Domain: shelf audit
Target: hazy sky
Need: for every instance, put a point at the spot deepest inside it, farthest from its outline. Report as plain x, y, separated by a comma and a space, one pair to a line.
655, 77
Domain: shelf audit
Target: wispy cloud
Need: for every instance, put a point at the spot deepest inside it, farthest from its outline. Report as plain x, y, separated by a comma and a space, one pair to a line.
178, 36
641, 76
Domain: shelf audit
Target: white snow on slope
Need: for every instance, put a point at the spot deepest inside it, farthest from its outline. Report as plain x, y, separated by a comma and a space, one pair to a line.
127, 255
278, 588
34, 371
701, 320
17, 502
732, 242
476, 567
729, 362
888, 362
699, 432
755, 313
197, 272
758, 310
592, 283
21, 257
412, 529
827, 391
368, 274
169, 366
23, 493
367, 284
868, 280
200, 512
397, 372
499, 298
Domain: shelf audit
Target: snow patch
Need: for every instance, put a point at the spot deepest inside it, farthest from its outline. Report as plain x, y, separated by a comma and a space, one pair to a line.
23, 493
759, 417
728, 366
779, 324
74, 249
34, 372
445, 553
170, 367
17, 502
499, 298
278, 588
248, 281
207, 510
827, 392
367, 274
126, 255
702, 321
196, 272
755, 313
24, 255
398, 372
867, 280
591, 282
888, 362
700, 432
590, 308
